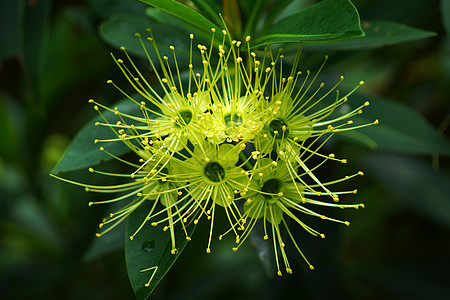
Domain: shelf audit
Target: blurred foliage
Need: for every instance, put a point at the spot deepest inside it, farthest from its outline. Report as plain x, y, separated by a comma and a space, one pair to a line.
54, 57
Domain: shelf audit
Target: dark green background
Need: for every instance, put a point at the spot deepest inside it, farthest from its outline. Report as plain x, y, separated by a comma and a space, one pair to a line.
54, 56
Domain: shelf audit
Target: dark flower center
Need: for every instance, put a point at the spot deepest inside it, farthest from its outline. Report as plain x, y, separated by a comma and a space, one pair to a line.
271, 186
232, 119
185, 117
276, 129
214, 171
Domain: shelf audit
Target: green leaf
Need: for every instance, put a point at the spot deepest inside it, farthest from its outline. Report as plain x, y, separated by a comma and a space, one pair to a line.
148, 255
106, 244
445, 11
211, 8
325, 21
401, 129
378, 34
185, 13
82, 152
119, 30
170, 21
415, 182
264, 250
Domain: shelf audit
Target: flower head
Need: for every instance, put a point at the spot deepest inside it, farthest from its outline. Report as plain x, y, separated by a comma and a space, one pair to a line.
230, 133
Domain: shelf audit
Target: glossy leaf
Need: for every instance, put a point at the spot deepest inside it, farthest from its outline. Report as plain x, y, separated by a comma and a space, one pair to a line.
148, 256
106, 244
421, 188
380, 33
325, 21
119, 30
185, 13
401, 129
82, 152
211, 8
167, 20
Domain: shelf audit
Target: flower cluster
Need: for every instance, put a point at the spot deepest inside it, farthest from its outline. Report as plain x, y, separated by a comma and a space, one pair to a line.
231, 133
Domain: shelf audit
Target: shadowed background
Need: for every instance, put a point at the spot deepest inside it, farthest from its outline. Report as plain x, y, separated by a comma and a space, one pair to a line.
54, 56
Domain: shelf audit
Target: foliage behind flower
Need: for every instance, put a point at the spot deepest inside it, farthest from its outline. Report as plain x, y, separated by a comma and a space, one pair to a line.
234, 133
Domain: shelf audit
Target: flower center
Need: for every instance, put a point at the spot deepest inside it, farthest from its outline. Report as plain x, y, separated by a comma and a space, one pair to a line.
214, 171
232, 119
276, 129
271, 186
184, 117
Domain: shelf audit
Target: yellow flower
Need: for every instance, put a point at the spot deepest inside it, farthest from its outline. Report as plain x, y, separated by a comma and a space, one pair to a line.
235, 132
273, 194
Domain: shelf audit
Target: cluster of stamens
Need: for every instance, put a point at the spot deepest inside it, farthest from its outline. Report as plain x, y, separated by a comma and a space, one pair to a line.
230, 132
